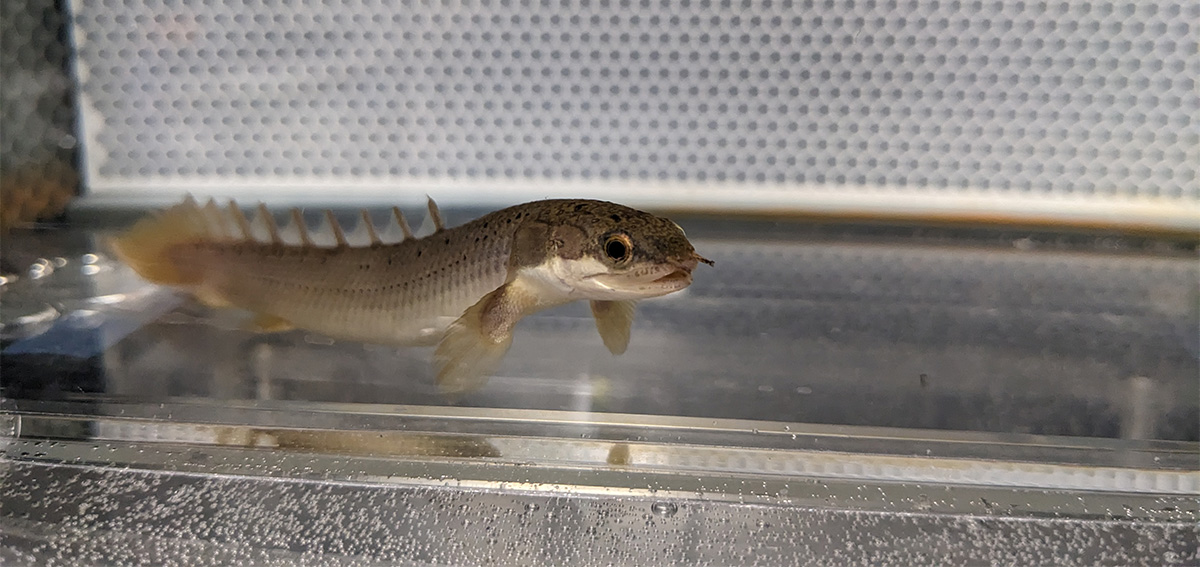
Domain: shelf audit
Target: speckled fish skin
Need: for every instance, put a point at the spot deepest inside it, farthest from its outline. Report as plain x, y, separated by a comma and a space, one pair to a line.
399, 293
472, 282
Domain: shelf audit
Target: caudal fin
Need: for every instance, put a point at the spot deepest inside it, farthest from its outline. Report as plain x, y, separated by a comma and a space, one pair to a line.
144, 246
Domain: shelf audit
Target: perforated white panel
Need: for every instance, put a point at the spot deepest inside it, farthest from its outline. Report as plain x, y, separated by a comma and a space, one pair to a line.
796, 104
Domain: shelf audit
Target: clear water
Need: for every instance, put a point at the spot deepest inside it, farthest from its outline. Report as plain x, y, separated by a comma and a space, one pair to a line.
845, 379
793, 324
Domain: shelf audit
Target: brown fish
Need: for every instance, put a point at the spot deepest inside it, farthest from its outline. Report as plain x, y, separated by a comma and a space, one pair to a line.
462, 288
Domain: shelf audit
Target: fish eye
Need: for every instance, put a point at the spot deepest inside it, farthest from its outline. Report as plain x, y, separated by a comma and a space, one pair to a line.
618, 247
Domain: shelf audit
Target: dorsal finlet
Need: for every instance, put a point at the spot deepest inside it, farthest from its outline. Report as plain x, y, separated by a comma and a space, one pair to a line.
337, 229
298, 220
269, 220
366, 219
216, 220
436, 215
400, 220
240, 220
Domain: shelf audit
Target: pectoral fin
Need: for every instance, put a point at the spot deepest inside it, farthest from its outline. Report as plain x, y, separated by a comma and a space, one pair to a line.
475, 343
264, 323
613, 320
210, 297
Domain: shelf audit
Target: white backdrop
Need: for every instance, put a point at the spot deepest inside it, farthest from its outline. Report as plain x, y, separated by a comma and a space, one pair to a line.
1076, 111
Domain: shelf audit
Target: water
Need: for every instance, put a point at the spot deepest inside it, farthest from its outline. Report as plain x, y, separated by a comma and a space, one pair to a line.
790, 326
860, 386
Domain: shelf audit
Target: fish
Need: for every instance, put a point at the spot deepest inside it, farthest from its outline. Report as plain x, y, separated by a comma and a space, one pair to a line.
461, 290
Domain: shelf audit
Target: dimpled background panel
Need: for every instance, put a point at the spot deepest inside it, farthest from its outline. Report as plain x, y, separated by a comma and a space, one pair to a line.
684, 99
37, 142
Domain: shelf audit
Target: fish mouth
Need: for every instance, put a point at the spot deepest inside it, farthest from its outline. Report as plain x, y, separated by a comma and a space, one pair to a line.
680, 273
676, 276
651, 281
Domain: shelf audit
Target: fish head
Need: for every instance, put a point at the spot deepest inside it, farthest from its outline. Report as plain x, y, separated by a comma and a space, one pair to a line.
606, 251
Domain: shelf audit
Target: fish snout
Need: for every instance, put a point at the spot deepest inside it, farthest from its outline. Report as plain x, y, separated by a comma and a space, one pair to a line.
692, 261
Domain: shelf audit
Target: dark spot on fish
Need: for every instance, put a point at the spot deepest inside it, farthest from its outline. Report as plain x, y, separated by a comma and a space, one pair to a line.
447, 241
418, 253
580, 207
616, 218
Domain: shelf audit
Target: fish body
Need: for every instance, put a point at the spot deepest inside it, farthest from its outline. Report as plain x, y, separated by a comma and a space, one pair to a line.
462, 288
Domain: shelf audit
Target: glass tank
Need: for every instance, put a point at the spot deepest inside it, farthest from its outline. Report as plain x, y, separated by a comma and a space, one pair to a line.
953, 315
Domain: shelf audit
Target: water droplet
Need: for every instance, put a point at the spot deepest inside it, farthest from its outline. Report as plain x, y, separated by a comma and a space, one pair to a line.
664, 509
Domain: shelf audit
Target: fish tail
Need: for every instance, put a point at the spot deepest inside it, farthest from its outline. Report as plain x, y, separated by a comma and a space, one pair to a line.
145, 246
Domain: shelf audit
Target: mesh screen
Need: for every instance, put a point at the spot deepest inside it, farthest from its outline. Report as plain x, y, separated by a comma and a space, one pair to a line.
688, 98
